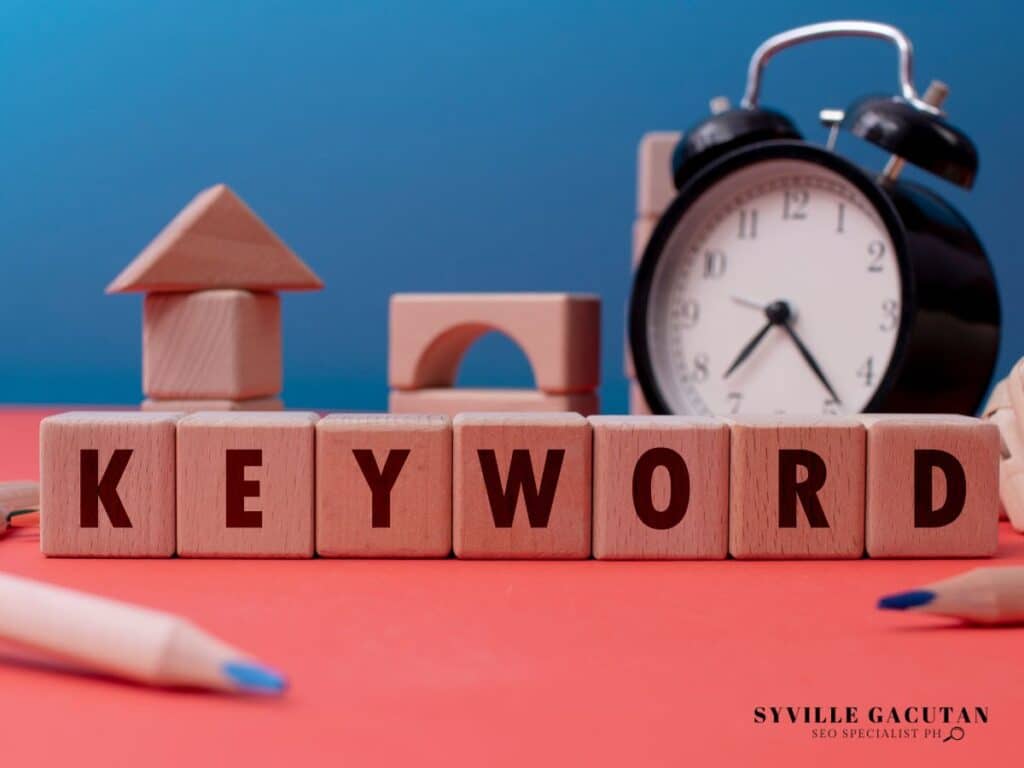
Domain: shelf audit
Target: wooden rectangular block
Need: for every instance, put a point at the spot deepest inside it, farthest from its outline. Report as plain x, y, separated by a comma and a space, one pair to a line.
194, 406
661, 487
451, 402
932, 486
655, 188
384, 486
107, 484
245, 484
521, 485
221, 344
797, 488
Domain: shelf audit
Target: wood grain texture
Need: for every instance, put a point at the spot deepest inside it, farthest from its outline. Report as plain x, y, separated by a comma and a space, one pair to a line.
892, 442
620, 531
216, 241
194, 406
754, 509
285, 475
451, 402
560, 334
145, 489
655, 188
222, 344
560, 529
413, 513
1011, 466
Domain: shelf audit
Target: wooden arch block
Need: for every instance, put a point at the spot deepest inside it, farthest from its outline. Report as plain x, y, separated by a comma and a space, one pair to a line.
558, 332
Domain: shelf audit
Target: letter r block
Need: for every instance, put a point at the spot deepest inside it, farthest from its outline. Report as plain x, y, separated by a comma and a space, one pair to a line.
107, 484
661, 487
521, 485
384, 486
245, 484
797, 488
933, 486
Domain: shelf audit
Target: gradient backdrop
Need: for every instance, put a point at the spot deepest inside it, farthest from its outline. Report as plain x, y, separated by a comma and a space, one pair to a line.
411, 146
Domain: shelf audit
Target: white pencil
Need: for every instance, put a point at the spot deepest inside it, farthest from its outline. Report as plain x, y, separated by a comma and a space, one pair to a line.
990, 595
126, 640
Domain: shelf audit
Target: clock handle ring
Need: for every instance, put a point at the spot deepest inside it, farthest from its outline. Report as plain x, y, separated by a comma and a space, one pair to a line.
829, 29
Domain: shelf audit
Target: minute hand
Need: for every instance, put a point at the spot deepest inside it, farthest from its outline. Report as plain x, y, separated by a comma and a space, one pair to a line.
810, 360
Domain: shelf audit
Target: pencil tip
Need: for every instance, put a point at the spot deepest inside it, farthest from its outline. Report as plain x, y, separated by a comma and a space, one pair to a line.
253, 677
903, 600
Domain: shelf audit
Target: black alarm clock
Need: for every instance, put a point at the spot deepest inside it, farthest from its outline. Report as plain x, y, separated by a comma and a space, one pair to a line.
784, 278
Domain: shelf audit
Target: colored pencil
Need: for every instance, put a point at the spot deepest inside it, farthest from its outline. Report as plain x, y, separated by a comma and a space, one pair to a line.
16, 498
126, 640
992, 595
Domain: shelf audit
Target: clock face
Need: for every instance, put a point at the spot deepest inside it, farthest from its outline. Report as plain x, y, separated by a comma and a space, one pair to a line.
778, 291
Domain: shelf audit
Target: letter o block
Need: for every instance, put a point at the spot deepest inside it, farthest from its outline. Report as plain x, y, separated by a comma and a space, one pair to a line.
245, 484
521, 485
797, 488
107, 484
661, 487
933, 486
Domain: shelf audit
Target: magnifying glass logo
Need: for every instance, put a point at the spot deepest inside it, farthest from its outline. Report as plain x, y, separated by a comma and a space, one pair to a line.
956, 733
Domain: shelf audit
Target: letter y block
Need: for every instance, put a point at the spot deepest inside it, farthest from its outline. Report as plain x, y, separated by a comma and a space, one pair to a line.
108, 483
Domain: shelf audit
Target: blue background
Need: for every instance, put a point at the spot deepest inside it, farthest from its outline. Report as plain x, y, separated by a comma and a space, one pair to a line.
401, 146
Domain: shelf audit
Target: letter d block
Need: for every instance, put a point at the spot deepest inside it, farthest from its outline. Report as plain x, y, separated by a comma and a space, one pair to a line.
797, 488
245, 484
384, 486
933, 486
661, 487
521, 485
107, 485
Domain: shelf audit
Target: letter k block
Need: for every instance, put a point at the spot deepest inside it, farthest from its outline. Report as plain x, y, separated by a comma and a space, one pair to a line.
521, 485
108, 484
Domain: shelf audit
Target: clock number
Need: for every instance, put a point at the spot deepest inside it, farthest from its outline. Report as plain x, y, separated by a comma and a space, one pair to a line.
841, 219
714, 264
699, 371
830, 408
688, 313
748, 224
890, 315
794, 204
735, 400
876, 250
867, 372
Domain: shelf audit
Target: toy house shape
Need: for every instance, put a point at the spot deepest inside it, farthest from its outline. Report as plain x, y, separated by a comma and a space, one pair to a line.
211, 317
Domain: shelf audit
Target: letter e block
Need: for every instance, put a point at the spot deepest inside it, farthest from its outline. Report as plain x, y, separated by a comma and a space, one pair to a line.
245, 484
521, 485
661, 487
797, 488
384, 486
107, 485
933, 486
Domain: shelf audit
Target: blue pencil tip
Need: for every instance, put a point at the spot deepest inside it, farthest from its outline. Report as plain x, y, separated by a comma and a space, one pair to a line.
903, 600
253, 677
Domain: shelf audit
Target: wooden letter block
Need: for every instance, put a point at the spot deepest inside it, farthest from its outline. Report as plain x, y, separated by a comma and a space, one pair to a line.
797, 488
661, 487
222, 344
245, 484
384, 486
933, 486
107, 484
521, 485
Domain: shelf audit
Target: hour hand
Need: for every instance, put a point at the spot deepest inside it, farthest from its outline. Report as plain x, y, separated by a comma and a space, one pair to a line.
748, 349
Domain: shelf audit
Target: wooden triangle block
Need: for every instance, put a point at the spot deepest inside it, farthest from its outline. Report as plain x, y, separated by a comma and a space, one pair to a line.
216, 241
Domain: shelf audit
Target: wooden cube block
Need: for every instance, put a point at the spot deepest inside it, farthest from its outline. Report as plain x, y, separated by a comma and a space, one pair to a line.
797, 488
245, 484
655, 188
560, 334
521, 485
642, 231
107, 484
222, 344
933, 486
384, 486
450, 402
194, 406
661, 487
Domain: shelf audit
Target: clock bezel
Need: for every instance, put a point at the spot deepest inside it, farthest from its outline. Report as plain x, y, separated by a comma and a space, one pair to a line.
710, 175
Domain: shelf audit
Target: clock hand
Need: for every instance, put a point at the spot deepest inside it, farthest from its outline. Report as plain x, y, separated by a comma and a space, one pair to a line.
810, 359
778, 313
748, 302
